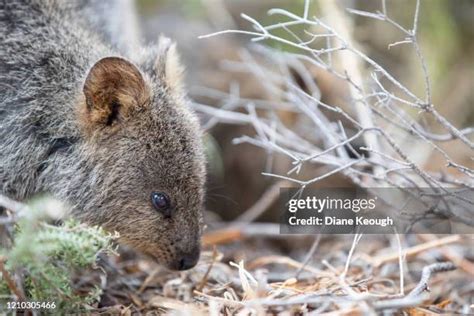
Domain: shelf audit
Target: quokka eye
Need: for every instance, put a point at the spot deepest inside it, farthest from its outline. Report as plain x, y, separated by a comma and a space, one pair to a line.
161, 202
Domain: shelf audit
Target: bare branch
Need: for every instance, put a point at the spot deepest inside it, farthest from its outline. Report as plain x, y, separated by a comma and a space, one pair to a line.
426, 275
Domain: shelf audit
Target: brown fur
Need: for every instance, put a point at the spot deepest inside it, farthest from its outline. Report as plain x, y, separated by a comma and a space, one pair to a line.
98, 131
113, 87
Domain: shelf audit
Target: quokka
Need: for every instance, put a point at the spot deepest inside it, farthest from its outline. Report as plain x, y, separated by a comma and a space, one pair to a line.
112, 137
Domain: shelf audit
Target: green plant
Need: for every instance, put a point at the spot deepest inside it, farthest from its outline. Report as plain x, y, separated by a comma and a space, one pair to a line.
48, 256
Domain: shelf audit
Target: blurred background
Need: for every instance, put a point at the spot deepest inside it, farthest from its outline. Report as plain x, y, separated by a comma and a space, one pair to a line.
446, 36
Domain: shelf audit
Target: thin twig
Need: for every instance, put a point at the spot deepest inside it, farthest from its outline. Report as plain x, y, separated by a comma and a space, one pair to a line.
309, 255
426, 275
265, 201
10, 282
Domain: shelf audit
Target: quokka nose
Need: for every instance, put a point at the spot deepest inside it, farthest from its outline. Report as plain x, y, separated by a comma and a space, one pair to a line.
187, 260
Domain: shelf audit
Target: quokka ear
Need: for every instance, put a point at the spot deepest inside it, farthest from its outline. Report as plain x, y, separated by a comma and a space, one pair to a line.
112, 89
168, 66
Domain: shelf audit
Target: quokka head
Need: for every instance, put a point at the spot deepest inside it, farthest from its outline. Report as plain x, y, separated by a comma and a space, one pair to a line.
141, 157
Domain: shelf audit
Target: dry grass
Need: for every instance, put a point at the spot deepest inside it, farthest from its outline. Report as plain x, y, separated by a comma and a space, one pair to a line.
342, 277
